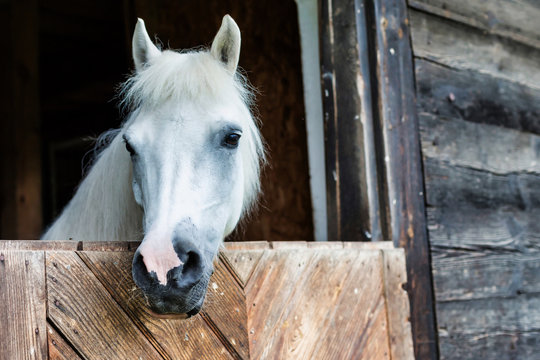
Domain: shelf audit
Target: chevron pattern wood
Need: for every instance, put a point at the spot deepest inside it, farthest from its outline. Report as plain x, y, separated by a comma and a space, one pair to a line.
265, 301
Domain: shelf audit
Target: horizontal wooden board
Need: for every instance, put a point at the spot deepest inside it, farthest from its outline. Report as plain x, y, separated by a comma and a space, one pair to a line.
460, 274
484, 316
449, 185
516, 20
500, 345
477, 97
463, 47
479, 146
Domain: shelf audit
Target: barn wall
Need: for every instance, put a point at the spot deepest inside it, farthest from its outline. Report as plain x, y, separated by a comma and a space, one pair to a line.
477, 67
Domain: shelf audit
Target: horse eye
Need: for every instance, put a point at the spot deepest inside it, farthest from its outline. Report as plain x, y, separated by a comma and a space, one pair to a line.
231, 140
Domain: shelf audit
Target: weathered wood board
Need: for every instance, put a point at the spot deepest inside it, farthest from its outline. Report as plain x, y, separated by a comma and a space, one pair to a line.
265, 301
478, 91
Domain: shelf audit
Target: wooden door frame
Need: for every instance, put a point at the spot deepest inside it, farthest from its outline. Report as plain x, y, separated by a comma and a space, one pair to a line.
375, 184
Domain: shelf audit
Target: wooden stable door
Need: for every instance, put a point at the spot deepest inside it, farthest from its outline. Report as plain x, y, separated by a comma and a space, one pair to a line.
265, 301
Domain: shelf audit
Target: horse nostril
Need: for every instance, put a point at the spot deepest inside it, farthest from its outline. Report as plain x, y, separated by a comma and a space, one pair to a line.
191, 271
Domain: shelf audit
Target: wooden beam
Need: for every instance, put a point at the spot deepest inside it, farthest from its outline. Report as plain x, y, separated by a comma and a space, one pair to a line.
403, 167
352, 195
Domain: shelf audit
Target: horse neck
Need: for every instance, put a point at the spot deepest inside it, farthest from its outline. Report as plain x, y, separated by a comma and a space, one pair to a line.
103, 208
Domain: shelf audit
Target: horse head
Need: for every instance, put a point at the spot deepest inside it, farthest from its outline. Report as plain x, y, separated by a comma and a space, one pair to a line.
195, 152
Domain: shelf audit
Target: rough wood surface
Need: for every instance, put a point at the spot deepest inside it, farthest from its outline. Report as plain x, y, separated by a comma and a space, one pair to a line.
174, 338
78, 304
59, 349
303, 302
402, 168
478, 94
476, 97
299, 323
23, 333
351, 174
462, 47
479, 146
397, 304
512, 19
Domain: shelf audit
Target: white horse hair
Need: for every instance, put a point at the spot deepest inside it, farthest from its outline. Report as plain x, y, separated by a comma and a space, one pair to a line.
180, 172
104, 208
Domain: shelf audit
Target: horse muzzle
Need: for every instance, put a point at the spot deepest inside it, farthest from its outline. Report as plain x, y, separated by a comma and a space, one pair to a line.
174, 279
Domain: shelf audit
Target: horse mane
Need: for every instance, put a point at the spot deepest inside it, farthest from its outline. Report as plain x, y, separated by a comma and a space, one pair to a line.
103, 207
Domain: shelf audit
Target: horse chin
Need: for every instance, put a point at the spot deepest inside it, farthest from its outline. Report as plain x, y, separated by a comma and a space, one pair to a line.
169, 301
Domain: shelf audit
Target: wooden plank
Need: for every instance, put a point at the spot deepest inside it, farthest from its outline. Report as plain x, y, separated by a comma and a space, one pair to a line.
448, 185
39, 245
397, 304
246, 245
242, 262
490, 328
225, 310
288, 321
352, 189
367, 336
476, 97
192, 339
488, 316
110, 245
503, 345
59, 349
462, 47
513, 19
402, 166
77, 314
465, 144
23, 311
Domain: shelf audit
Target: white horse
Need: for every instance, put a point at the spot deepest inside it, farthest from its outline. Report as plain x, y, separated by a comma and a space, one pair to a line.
179, 174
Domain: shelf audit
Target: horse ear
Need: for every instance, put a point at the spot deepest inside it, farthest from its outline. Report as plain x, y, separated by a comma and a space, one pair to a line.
226, 44
143, 48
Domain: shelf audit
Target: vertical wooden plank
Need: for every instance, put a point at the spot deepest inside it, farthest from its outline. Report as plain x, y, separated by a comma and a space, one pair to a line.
350, 162
59, 349
397, 305
23, 334
403, 169
24, 202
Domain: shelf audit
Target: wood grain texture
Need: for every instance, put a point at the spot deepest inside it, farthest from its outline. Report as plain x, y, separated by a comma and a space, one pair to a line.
479, 146
512, 19
39, 245
476, 97
23, 332
289, 321
299, 303
78, 314
351, 176
403, 175
462, 47
59, 349
174, 338
397, 304
242, 262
